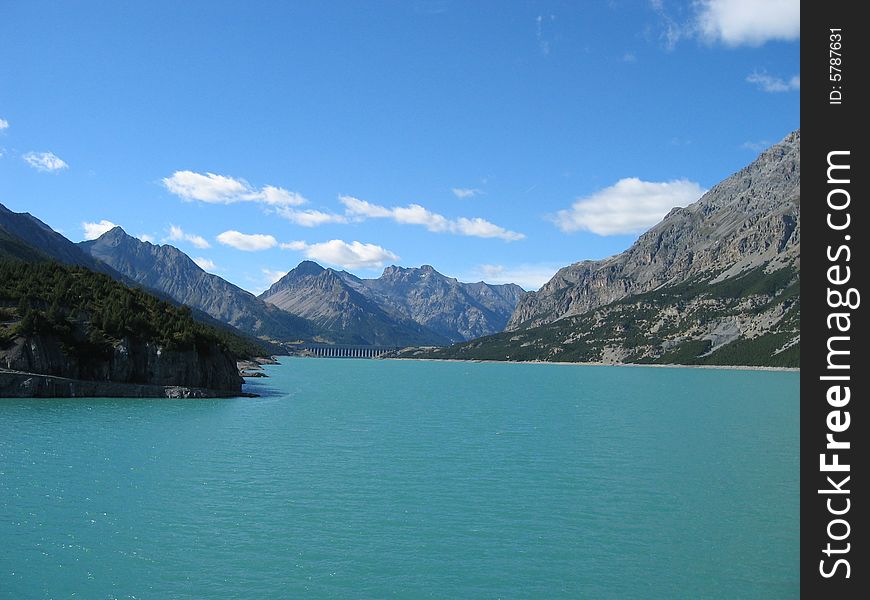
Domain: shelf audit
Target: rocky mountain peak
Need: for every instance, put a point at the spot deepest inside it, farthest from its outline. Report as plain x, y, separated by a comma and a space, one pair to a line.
396, 274
395, 271
307, 268
116, 232
117, 244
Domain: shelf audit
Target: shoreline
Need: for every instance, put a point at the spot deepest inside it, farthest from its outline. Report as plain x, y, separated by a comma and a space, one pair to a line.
24, 384
604, 364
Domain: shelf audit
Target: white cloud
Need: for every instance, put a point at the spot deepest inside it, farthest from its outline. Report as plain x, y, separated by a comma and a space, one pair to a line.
628, 206
671, 31
748, 22
527, 276
146, 238
466, 192
95, 230
361, 208
543, 42
249, 242
275, 196
205, 264
771, 84
45, 161
759, 146
354, 255
4, 124
309, 217
177, 234
219, 189
207, 188
273, 276
478, 227
414, 214
294, 246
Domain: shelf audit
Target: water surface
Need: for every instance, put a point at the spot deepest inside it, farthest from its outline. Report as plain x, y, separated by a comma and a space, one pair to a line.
372, 479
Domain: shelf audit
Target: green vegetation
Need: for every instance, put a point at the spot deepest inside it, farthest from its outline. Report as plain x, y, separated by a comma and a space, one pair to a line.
686, 353
662, 327
90, 312
760, 351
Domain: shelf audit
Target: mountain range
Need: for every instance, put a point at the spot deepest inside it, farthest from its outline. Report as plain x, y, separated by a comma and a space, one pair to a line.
716, 282
322, 296
403, 306
315, 304
169, 270
455, 310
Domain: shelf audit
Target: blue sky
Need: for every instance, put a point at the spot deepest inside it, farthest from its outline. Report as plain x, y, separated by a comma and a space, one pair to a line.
493, 140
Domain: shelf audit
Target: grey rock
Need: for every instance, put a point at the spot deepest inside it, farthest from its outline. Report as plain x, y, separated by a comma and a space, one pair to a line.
132, 361
14, 384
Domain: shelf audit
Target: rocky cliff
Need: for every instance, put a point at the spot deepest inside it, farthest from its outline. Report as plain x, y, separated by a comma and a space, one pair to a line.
75, 325
15, 384
130, 361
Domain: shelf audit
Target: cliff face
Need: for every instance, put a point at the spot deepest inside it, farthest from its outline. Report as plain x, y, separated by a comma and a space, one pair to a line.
326, 298
14, 384
749, 220
130, 361
458, 311
64, 330
168, 270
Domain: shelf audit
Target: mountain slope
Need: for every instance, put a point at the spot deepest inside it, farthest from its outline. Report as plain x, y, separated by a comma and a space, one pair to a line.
13, 247
457, 311
27, 229
325, 297
750, 219
61, 250
170, 271
717, 282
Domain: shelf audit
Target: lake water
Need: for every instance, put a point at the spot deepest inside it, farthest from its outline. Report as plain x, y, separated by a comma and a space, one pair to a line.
374, 479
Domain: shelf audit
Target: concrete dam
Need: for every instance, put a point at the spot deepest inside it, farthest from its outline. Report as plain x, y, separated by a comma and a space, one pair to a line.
343, 351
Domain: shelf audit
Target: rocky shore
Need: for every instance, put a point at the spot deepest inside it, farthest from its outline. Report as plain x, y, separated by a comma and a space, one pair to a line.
40, 366
254, 367
19, 384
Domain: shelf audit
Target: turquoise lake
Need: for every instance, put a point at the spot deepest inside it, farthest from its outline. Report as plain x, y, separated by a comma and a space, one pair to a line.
406, 479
